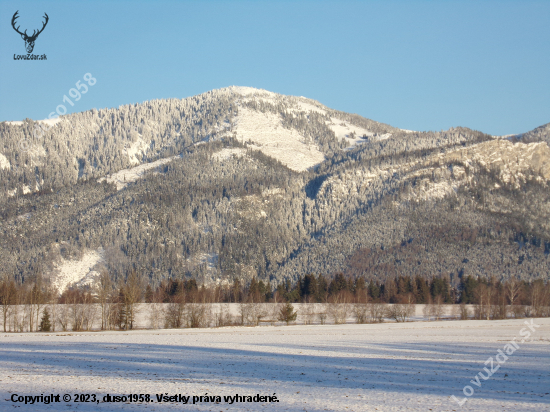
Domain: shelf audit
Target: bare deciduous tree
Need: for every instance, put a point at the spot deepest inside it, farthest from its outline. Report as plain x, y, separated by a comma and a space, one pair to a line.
245, 313
376, 312
339, 307
483, 295
513, 290
400, 312
223, 315
174, 314
307, 311
539, 297
8, 296
62, 316
197, 315
434, 309
155, 315
130, 293
360, 311
104, 291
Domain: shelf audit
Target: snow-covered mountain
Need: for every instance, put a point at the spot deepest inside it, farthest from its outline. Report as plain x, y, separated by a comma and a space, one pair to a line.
245, 182
297, 131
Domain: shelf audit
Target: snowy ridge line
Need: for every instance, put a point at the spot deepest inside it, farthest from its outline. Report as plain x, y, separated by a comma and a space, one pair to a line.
343, 130
49, 122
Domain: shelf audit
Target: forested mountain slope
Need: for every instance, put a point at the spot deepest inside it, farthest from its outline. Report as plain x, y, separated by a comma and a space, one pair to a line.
97, 143
241, 182
540, 134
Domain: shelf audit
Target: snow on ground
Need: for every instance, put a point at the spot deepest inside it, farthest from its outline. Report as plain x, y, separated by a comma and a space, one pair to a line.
229, 152
377, 367
343, 130
426, 188
49, 122
308, 107
125, 176
513, 160
4, 162
25, 188
434, 190
285, 145
307, 314
251, 91
77, 271
210, 259
265, 130
505, 136
137, 148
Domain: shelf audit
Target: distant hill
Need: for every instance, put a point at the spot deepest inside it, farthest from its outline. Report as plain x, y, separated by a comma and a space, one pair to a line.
540, 134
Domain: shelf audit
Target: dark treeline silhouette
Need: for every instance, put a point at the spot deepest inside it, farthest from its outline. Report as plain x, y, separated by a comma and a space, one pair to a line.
309, 289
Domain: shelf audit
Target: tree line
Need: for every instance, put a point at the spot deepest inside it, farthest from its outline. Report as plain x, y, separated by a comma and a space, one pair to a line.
184, 303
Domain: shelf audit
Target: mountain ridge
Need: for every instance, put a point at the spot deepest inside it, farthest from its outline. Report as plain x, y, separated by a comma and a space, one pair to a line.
241, 182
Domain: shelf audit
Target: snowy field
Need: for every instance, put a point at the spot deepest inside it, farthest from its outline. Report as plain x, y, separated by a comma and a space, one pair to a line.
377, 367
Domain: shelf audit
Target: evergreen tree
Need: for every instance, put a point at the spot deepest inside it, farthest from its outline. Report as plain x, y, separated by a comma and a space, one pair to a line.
322, 288
45, 324
374, 290
468, 286
338, 284
287, 313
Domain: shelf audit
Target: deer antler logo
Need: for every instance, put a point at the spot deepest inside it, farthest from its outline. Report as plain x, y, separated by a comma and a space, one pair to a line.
29, 40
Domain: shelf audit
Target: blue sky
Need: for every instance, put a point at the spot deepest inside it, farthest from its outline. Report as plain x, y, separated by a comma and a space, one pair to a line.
420, 65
